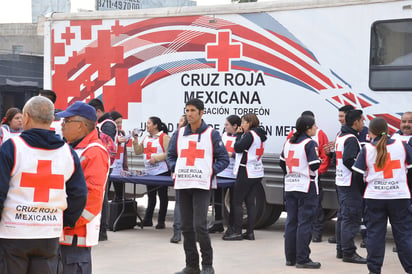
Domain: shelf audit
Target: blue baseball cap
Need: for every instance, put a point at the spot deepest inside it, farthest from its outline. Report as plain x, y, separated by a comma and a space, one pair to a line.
79, 109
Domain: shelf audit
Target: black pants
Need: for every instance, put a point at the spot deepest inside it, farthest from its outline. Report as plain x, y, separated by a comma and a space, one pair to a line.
194, 204
34, 256
151, 203
244, 190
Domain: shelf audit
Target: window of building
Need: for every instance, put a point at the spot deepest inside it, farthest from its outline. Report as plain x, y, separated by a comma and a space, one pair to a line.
391, 55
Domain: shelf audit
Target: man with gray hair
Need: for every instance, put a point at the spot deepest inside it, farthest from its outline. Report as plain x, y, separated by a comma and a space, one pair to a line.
42, 190
79, 130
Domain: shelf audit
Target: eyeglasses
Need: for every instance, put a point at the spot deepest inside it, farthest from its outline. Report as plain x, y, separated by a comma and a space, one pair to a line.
66, 121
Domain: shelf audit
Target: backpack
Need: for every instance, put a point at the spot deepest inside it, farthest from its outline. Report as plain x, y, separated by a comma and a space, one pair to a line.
107, 141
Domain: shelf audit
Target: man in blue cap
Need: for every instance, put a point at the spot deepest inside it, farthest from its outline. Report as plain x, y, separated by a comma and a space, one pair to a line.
79, 130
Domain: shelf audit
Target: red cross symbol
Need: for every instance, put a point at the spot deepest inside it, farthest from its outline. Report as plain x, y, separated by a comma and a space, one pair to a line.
89, 84
117, 28
290, 161
102, 56
259, 151
86, 27
338, 155
191, 153
389, 167
229, 146
42, 181
149, 150
223, 50
68, 36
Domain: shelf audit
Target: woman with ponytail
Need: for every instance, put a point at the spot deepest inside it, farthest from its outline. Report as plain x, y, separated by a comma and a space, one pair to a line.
299, 161
154, 147
384, 165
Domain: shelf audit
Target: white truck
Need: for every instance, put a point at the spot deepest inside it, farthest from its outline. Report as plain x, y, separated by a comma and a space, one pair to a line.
275, 59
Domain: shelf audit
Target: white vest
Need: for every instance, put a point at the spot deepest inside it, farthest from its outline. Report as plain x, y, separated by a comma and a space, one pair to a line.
7, 134
37, 194
194, 165
93, 226
343, 174
404, 138
117, 166
57, 127
254, 165
229, 142
297, 166
152, 147
390, 182
99, 125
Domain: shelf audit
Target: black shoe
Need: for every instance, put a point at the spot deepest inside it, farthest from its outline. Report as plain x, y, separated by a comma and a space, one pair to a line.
332, 240
160, 226
207, 269
145, 223
355, 259
339, 255
232, 237
248, 236
310, 264
175, 238
102, 236
189, 270
363, 244
316, 238
216, 228
394, 249
290, 263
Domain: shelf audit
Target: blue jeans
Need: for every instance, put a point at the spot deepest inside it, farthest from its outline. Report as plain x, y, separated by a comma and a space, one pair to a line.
194, 205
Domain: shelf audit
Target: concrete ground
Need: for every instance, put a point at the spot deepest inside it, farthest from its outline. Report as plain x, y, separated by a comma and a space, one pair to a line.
149, 251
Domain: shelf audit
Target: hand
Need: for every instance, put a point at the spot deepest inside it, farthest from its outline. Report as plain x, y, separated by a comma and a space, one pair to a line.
152, 161
239, 130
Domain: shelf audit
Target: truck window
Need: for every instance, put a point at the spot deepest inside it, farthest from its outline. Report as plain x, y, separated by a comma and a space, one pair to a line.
391, 55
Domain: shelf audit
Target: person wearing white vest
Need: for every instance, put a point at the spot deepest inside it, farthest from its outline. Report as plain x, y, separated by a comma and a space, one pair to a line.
42, 190
79, 129
229, 138
154, 148
248, 168
195, 155
349, 215
405, 129
11, 124
385, 167
300, 162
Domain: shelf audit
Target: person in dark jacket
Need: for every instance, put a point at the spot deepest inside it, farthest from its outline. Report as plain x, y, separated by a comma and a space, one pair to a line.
195, 155
42, 190
300, 162
249, 170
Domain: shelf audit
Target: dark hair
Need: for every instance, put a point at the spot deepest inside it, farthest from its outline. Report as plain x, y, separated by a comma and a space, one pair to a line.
115, 115
160, 125
252, 119
196, 103
346, 108
379, 127
97, 104
303, 123
234, 120
48, 93
308, 113
352, 116
10, 113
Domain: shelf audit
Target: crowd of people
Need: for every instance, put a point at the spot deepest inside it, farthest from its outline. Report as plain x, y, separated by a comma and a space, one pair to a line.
54, 207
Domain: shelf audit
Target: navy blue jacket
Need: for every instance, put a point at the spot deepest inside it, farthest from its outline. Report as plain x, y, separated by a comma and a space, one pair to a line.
76, 188
220, 155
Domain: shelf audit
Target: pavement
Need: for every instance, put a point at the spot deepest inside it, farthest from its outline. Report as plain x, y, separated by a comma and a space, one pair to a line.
148, 250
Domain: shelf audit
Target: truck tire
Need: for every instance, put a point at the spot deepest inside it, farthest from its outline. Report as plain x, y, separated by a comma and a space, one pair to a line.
266, 214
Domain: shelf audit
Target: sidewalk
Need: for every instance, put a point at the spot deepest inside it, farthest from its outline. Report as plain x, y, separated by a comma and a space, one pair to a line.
149, 251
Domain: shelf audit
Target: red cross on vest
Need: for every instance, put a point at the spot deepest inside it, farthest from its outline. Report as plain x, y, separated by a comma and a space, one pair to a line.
223, 50
338, 156
229, 146
149, 150
42, 181
290, 161
191, 153
259, 151
388, 167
